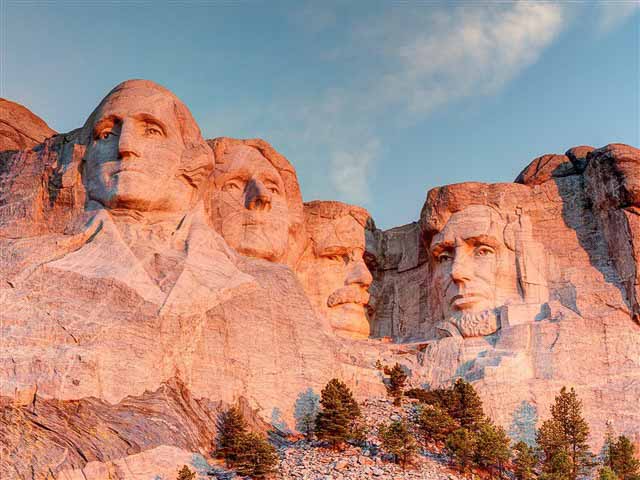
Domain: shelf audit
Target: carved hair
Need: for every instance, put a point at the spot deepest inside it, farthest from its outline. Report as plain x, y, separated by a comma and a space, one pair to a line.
197, 160
332, 210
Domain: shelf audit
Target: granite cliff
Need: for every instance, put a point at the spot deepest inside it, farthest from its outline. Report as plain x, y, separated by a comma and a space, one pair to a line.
148, 277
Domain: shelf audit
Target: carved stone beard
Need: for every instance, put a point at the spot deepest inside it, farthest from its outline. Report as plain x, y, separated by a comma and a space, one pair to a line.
470, 324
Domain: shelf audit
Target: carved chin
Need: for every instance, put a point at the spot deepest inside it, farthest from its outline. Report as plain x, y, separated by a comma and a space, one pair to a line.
471, 324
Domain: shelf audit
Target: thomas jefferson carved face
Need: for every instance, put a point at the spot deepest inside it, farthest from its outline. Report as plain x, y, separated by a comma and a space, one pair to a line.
333, 270
474, 271
249, 206
134, 154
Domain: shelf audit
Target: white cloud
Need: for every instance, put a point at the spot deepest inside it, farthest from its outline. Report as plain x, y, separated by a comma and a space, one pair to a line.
465, 52
405, 62
612, 13
350, 171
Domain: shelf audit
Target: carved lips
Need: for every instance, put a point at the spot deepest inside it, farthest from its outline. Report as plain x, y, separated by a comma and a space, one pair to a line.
349, 294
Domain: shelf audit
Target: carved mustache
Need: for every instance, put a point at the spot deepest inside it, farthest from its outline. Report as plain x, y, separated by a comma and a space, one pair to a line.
349, 294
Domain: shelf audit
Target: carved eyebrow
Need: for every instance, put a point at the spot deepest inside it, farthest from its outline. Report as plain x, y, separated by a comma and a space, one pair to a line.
483, 240
333, 250
442, 246
148, 118
109, 120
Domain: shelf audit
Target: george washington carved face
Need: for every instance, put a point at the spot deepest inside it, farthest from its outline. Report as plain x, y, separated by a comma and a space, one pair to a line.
332, 268
135, 150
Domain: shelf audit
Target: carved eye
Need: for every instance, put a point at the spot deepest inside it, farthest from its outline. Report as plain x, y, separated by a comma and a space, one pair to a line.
104, 134
231, 187
335, 258
484, 251
152, 131
444, 257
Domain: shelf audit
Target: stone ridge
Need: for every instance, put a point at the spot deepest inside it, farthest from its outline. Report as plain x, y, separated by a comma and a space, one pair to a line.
147, 279
20, 128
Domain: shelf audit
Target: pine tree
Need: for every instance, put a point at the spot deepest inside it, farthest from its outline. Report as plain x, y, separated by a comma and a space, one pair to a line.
185, 473
434, 424
524, 461
231, 429
492, 447
397, 440
395, 383
461, 446
565, 432
466, 406
621, 459
338, 416
305, 412
256, 458
607, 474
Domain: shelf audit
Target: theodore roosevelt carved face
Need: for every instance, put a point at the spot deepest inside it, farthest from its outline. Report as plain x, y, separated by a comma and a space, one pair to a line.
474, 271
137, 149
332, 268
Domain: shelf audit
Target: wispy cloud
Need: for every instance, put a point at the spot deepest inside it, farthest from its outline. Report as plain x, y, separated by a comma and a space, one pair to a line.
612, 13
425, 58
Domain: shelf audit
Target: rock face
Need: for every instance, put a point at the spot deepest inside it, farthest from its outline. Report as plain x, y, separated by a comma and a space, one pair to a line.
148, 277
19, 128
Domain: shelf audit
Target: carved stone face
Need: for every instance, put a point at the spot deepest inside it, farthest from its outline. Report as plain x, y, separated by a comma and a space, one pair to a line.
134, 154
249, 208
474, 271
334, 274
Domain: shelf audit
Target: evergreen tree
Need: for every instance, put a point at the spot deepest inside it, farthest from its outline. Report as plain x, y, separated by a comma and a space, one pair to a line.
565, 432
231, 429
395, 383
607, 474
524, 461
337, 419
185, 473
306, 411
256, 458
434, 424
558, 467
492, 447
620, 458
461, 446
398, 441
466, 406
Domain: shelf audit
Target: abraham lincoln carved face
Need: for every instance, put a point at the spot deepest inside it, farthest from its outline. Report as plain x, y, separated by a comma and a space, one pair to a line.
249, 206
473, 269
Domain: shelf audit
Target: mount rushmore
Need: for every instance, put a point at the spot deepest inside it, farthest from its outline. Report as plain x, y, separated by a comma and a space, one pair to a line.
149, 276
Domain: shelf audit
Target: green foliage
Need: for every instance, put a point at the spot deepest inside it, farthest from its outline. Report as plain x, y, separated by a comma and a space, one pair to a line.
563, 438
434, 424
607, 474
620, 458
492, 447
395, 383
231, 429
466, 406
461, 446
256, 457
337, 420
524, 461
185, 473
397, 440
440, 397
305, 412
558, 467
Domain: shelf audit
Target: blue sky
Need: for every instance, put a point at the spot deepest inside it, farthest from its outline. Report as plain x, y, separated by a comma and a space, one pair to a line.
373, 102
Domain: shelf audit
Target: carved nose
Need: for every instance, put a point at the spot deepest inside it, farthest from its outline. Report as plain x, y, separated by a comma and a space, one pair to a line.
359, 275
127, 144
258, 197
461, 269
